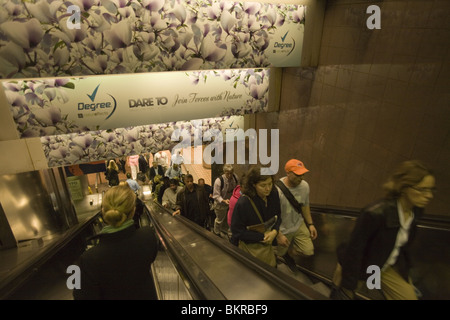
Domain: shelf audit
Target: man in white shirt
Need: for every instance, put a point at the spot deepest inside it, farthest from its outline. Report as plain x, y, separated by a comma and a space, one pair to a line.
222, 191
161, 159
174, 172
169, 198
297, 229
177, 158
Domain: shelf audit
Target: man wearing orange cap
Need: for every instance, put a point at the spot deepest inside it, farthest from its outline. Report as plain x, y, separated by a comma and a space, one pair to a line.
297, 229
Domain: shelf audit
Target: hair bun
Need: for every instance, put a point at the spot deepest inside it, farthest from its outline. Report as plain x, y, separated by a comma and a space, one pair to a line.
114, 217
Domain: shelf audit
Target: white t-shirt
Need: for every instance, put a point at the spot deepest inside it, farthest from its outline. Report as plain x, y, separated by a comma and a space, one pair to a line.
290, 218
161, 158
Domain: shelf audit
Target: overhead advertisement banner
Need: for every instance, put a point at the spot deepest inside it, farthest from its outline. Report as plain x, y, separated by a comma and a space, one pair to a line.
55, 38
77, 148
46, 107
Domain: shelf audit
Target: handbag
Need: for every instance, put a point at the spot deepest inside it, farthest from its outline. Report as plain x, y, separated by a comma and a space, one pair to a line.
261, 251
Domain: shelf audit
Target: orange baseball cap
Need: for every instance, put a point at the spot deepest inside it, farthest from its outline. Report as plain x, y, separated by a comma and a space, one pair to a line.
295, 166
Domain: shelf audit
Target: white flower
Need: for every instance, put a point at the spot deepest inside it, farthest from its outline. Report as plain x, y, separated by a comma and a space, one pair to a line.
210, 51
119, 36
50, 93
44, 11
193, 64
157, 23
299, 14
69, 36
251, 8
214, 11
180, 13
25, 34
249, 23
146, 51
13, 54
75, 154
241, 49
85, 4
127, 13
227, 21
98, 64
61, 56
153, 5
83, 141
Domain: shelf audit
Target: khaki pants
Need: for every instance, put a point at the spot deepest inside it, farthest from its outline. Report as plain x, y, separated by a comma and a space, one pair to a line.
221, 211
393, 286
301, 243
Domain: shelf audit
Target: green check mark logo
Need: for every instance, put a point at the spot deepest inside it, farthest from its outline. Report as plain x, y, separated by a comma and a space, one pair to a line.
284, 37
92, 96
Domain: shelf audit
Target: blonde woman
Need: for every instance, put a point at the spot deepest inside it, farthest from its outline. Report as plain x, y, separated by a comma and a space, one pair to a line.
119, 266
112, 173
383, 234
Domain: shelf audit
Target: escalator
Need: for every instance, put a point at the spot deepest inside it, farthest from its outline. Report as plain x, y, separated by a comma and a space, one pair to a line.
214, 269
194, 264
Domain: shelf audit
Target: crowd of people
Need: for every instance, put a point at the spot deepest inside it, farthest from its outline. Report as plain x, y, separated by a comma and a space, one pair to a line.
271, 218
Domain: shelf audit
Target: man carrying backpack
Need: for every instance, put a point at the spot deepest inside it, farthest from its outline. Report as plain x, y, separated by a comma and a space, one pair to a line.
222, 191
297, 229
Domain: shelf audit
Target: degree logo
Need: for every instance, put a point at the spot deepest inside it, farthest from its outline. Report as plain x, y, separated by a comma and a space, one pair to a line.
284, 46
100, 105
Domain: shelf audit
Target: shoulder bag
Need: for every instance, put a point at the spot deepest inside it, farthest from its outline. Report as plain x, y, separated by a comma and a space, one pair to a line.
297, 205
261, 251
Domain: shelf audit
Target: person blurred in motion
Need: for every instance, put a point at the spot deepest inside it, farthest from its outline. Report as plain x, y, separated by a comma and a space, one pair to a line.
383, 234
297, 229
222, 192
192, 202
112, 173
257, 216
169, 198
118, 267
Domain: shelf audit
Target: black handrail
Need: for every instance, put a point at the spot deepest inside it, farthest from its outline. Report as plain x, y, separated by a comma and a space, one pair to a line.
427, 220
200, 286
277, 278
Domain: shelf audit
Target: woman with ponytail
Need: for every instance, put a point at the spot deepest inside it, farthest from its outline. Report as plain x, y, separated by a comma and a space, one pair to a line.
118, 267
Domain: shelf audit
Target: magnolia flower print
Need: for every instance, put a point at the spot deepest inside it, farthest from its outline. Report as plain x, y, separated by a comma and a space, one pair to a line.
255, 81
75, 148
34, 106
128, 36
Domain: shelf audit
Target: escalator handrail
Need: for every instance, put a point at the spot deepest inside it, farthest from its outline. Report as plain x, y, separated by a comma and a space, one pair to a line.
437, 222
200, 286
284, 282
